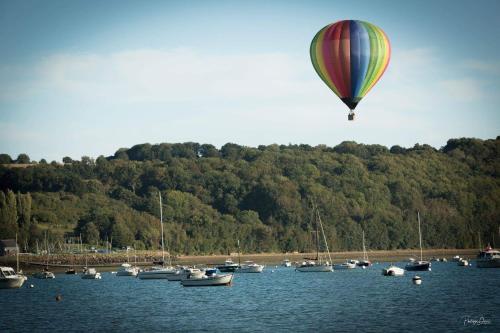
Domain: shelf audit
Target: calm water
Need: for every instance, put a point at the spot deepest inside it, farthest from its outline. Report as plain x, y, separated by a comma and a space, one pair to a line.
277, 300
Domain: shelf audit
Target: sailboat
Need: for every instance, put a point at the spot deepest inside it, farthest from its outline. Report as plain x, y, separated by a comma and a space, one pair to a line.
419, 265
365, 262
158, 272
45, 274
317, 264
10, 279
90, 273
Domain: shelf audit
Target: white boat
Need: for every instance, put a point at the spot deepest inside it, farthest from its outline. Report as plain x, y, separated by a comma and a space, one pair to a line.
393, 271
158, 272
286, 263
417, 280
317, 264
229, 266
250, 267
488, 258
419, 265
184, 272
463, 262
349, 264
313, 266
128, 270
91, 274
45, 274
456, 258
9, 279
207, 281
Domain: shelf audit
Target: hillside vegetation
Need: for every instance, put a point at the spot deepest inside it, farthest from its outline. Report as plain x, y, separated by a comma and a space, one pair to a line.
261, 196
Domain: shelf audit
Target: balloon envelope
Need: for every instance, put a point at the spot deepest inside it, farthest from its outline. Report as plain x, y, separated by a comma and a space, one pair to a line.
350, 57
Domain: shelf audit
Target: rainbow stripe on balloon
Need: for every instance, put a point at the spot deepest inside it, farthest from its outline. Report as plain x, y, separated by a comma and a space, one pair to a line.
350, 57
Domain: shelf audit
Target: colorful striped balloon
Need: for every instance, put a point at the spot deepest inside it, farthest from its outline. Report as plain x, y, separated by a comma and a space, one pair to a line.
350, 57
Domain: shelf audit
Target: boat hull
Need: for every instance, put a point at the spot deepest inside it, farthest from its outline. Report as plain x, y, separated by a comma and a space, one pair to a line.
44, 275
491, 263
210, 281
364, 264
316, 268
251, 269
96, 276
418, 266
12, 282
155, 275
393, 271
227, 269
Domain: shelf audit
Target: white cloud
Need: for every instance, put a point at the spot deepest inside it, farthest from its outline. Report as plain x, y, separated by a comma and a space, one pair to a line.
172, 76
489, 67
244, 98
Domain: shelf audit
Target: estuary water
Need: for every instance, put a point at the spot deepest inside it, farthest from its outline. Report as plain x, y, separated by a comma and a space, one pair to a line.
450, 299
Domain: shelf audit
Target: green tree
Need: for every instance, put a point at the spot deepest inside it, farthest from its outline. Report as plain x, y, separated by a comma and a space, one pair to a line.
5, 159
90, 233
23, 159
8, 215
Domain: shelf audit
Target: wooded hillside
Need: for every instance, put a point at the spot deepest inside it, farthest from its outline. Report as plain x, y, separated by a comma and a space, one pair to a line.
261, 196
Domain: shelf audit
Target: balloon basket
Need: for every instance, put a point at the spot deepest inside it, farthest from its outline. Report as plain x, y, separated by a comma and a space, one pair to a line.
350, 116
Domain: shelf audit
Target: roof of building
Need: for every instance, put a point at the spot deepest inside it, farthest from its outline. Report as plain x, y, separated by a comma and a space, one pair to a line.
8, 243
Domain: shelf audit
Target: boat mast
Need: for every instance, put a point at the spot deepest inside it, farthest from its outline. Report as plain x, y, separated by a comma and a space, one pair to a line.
239, 258
161, 223
419, 235
47, 247
365, 256
324, 237
17, 256
317, 242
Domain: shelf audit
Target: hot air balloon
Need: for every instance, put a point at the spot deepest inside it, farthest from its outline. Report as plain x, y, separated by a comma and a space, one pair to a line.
350, 57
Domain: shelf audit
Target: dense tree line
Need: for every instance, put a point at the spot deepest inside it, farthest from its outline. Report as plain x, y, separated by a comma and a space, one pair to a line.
262, 196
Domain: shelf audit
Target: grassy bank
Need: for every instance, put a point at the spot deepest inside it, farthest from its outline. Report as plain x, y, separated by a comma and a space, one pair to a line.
30, 262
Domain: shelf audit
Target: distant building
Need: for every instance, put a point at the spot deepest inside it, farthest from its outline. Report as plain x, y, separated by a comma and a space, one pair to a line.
8, 247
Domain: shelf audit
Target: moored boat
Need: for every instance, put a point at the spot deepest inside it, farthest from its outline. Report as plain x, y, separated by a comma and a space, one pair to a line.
463, 262
286, 263
318, 264
158, 272
128, 270
207, 281
393, 271
349, 264
45, 274
488, 258
365, 262
313, 266
9, 279
229, 266
418, 265
91, 274
250, 267
184, 272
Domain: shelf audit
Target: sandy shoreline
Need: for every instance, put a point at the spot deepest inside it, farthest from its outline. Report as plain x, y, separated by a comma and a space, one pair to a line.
59, 262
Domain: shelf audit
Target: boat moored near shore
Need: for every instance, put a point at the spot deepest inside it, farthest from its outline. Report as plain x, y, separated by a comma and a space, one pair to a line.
9, 279
488, 258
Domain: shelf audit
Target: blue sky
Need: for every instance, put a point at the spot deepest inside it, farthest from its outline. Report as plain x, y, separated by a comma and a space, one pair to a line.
88, 77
